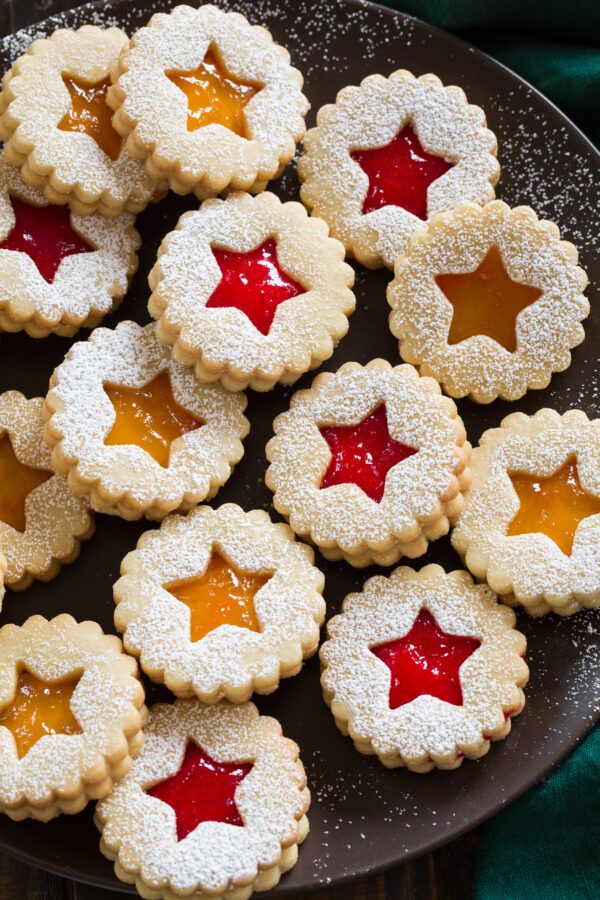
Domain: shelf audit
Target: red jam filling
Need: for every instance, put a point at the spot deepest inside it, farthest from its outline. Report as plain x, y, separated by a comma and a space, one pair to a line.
202, 791
363, 454
254, 283
44, 233
400, 173
427, 660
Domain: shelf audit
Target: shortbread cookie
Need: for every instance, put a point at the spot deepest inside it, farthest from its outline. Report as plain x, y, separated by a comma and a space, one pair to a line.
58, 271
250, 291
220, 603
208, 101
424, 668
71, 716
370, 463
244, 832
531, 523
134, 431
389, 155
41, 522
57, 125
488, 301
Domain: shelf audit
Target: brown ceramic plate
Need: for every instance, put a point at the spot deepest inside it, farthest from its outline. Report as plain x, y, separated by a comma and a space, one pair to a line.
363, 817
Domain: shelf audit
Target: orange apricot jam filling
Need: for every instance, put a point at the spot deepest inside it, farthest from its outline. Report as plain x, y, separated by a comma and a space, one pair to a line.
553, 506
149, 417
222, 595
39, 708
90, 114
17, 481
486, 301
214, 97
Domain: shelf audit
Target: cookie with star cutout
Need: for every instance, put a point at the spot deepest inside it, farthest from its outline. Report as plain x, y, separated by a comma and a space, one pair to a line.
57, 126
370, 463
71, 716
391, 153
424, 669
208, 101
220, 603
531, 522
42, 523
215, 805
488, 301
250, 291
135, 432
59, 271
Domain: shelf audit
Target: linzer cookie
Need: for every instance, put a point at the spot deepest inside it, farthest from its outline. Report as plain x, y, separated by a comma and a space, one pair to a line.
41, 522
57, 126
215, 805
531, 523
220, 603
389, 155
424, 668
370, 464
58, 271
208, 101
488, 301
250, 291
71, 716
134, 431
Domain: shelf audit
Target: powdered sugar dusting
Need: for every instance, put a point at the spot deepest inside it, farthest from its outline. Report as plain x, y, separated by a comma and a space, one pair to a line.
532, 566
546, 330
86, 286
153, 111
66, 163
369, 116
105, 702
224, 343
229, 661
139, 830
427, 731
55, 520
87, 14
364, 813
342, 519
125, 476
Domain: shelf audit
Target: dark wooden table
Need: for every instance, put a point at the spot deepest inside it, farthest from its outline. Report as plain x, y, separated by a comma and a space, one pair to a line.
446, 874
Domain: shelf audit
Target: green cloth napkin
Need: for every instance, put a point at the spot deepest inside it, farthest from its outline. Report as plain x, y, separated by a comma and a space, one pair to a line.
552, 43
546, 846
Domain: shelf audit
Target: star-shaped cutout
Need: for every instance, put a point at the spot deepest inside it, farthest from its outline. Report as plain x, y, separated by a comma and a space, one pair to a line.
149, 417
222, 595
553, 506
427, 660
486, 301
363, 454
89, 113
39, 708
17, 481
400, 173
202, 791
214, 97
45, 234
254, 283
